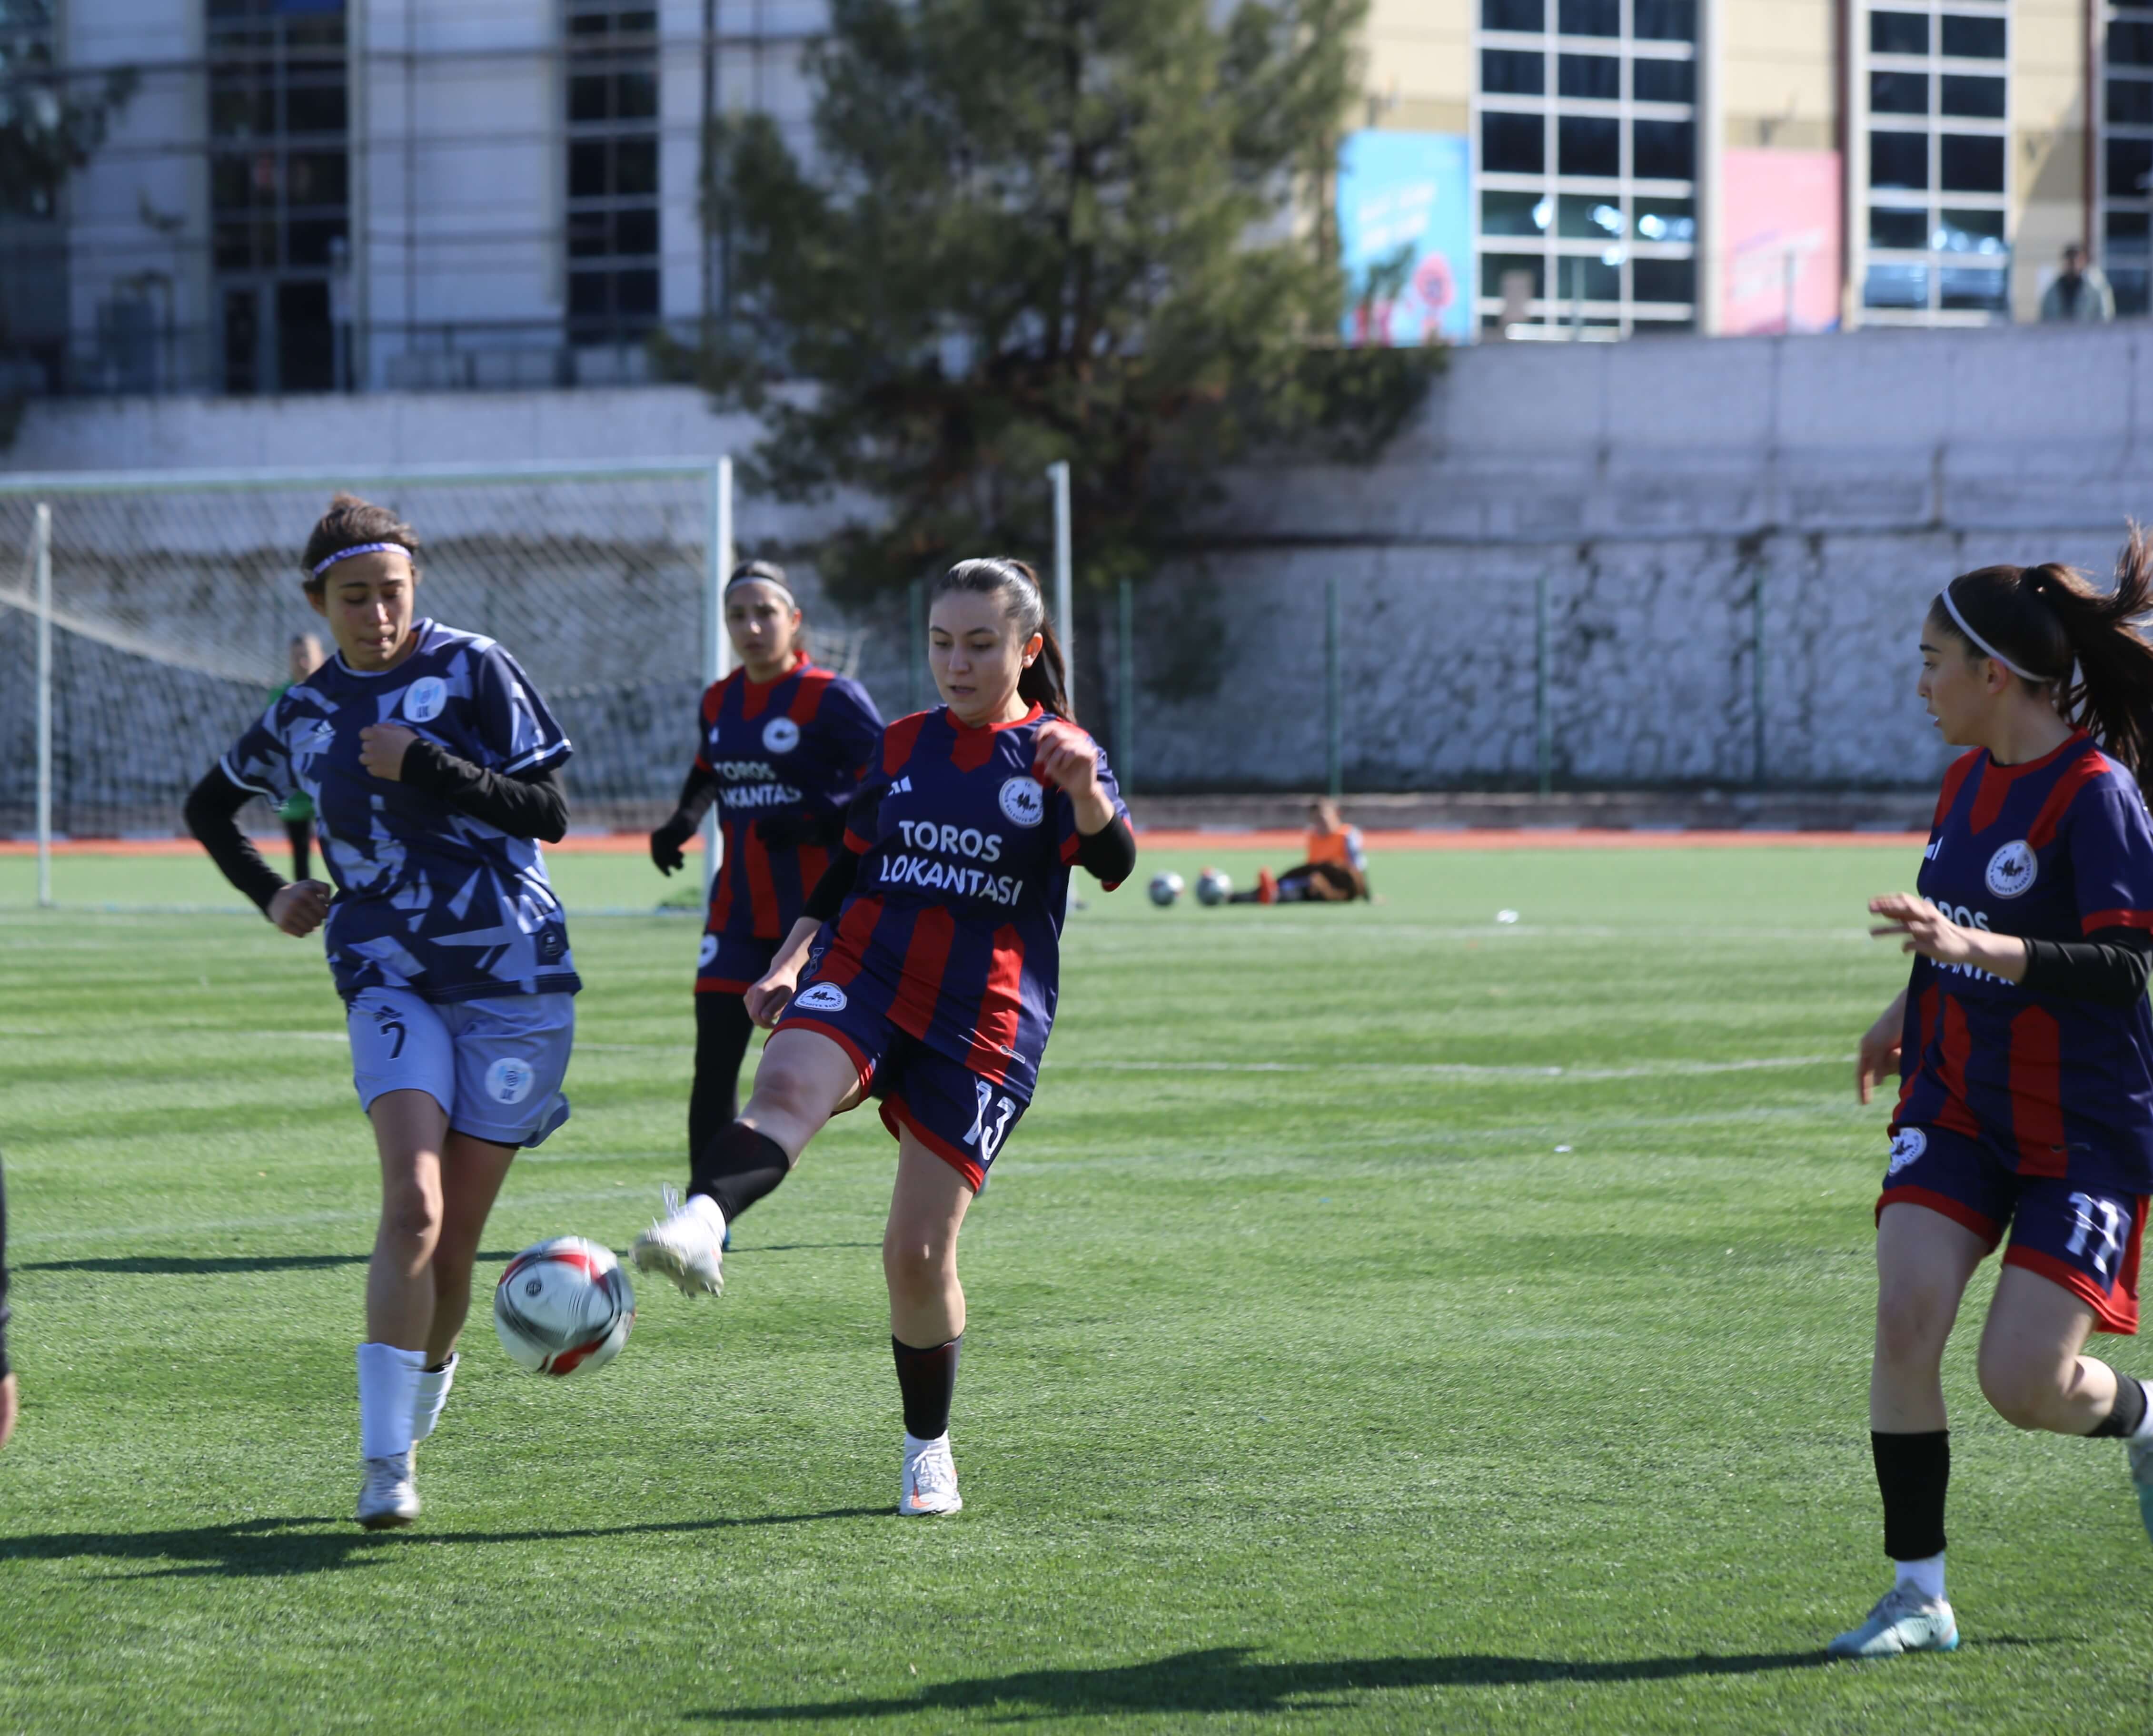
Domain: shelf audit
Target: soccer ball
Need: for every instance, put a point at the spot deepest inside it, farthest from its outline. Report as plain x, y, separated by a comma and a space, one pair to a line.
1165, 888
563, 1307
1213, 887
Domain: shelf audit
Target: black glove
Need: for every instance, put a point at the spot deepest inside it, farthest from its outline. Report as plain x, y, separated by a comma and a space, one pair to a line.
789, 831
666, 841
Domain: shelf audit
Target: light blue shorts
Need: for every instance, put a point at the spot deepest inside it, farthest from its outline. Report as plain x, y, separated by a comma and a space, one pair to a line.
495, 1066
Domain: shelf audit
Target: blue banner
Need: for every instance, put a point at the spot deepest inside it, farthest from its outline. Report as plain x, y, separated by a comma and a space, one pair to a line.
1409, 191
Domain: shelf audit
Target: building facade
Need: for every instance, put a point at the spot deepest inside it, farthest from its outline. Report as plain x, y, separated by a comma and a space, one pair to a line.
305, 195
1751, 165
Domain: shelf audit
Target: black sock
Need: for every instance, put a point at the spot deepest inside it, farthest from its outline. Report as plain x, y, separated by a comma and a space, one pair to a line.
722, 1031
737, 1168
2126, 1413
1913, 1473
927, 1379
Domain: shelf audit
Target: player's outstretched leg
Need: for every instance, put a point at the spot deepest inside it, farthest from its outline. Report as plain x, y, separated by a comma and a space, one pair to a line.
804, 1078
926, 1320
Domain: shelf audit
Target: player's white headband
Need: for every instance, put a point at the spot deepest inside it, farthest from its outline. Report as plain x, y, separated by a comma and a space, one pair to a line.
1985, 648
760, 576
361, 548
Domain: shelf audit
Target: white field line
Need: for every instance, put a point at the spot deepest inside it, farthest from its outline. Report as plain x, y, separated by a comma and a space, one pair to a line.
1442, 1069
367, 1215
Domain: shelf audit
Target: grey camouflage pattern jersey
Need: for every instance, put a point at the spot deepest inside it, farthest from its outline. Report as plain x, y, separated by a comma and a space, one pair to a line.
427, 899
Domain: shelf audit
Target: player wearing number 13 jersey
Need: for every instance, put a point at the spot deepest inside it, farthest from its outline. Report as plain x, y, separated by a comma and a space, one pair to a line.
925, 972
2025, 1047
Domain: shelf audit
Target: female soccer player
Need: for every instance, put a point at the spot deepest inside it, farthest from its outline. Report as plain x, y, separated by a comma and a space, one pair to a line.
934, 988
430, 759
783, 744
2025, 1047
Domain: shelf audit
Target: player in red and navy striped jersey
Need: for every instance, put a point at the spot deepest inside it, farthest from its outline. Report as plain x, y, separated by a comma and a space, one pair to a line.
780, 748
2025, 1047
924, 972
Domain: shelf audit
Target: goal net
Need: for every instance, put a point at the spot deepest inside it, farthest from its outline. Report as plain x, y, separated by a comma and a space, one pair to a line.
174, 597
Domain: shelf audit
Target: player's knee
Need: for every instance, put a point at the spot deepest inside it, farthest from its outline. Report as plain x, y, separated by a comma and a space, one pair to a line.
411, 1215
1911, 1325
2025, 1394
916, 1266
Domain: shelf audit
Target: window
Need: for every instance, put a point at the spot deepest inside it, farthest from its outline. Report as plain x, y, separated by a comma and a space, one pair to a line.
1934, 182
612, 228
2126, 161
279, 188
1587, 123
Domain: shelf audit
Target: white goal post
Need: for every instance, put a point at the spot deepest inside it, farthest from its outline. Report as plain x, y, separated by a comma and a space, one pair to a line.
148, 622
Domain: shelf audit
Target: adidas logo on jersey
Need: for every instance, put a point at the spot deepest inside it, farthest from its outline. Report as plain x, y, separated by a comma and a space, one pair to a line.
903, 786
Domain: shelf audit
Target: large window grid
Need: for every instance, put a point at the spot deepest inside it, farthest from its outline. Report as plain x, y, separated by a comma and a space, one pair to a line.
279, 188
611, 92
2126, 152
1932, 162
1585, 118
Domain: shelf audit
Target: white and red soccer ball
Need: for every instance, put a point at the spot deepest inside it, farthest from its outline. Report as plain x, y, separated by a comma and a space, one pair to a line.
564, 1307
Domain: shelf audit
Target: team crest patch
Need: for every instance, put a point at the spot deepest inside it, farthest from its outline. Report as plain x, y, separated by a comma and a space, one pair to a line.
708, 955
425, 698
2012, 869
822, 997
779, 735
509, 1080
1023, 801
1908, 1143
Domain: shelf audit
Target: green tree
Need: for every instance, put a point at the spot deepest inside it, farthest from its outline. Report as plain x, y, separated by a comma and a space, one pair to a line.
46, 132
1096, 231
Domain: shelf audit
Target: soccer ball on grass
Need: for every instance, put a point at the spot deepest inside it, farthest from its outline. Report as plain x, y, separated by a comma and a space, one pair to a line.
1213, 887
564, 1307
1165, 888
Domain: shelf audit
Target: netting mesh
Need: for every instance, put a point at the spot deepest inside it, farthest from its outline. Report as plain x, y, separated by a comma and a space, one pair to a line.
173, 606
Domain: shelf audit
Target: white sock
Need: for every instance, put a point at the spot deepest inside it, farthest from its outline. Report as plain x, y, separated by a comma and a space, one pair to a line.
387, 1395
707, 1209
2144, 1432
429, 1396
1926, 1576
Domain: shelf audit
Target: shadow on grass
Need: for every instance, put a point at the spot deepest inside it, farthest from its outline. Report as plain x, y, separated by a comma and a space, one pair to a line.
258, 1548
166, 1266
1226, 1679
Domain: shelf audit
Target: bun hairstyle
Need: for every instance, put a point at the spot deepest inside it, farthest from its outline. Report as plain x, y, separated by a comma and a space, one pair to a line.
2049, 626
1046, 683
351, 523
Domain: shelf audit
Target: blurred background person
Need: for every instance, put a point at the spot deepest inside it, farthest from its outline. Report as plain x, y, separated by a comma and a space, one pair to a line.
2080, 294
1336, 871
303, 656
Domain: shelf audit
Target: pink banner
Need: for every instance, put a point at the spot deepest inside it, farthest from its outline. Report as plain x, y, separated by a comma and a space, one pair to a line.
1779, 210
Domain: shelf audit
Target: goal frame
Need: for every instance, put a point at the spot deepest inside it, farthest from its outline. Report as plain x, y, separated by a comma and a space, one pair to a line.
44, 488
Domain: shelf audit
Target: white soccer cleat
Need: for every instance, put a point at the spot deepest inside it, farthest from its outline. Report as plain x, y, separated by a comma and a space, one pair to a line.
1903, 1620
388, 1498
930, 1479
687, 1244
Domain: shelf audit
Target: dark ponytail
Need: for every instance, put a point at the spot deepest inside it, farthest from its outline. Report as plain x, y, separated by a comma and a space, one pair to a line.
1044, 683
2051, 627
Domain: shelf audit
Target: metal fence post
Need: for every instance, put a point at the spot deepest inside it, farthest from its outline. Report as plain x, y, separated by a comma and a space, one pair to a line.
1065, 579
1334, 723
43, 535
1125, 687
1543, 715
1757, 672
915, 664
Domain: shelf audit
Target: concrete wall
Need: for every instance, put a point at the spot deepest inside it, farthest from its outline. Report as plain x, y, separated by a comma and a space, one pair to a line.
1650, 489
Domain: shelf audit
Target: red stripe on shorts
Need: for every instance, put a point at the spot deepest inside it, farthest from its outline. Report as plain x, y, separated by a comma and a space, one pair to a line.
2114, 1311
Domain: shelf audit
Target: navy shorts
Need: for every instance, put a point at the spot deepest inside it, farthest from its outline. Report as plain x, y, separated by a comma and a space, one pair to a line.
963, 1117
2083, 1237
731, 964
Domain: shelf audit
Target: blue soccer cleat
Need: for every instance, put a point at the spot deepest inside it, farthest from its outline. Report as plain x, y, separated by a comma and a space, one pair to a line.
1903, 1620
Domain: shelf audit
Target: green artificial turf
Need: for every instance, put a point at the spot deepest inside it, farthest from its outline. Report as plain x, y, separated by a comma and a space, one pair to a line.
1386, 1319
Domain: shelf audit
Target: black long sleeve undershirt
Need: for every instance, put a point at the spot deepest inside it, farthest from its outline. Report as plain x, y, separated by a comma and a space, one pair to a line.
2110, 966
526, 805
697, 792
1109, 852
